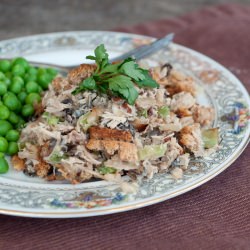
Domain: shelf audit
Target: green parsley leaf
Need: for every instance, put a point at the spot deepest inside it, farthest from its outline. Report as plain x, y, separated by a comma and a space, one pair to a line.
91, 58
87, 84
133, 94
103, 88
131, 69
106, 170
118, 79
111, 68
123, 86
100, 53
147, 81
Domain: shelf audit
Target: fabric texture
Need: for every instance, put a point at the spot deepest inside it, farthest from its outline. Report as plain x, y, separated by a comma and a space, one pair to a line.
213, 216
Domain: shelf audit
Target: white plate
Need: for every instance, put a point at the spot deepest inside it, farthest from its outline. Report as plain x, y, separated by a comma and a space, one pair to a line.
33, 197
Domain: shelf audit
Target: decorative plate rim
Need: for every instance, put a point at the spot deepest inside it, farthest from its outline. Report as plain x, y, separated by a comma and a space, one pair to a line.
146, 201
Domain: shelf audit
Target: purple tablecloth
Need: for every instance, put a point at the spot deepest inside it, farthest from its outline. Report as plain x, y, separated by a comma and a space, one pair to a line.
213, 216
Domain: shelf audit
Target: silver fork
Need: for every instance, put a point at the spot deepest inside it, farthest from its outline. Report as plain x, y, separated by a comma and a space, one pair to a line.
137, 53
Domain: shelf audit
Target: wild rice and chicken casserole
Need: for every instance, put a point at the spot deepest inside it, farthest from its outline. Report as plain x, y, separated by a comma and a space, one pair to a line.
77, 137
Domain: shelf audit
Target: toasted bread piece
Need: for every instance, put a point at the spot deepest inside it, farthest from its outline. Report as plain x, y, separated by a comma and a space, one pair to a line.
78, 74
42, 169
56, 83
183, 112
111, 146
17, 163
95, 145
127, 151
111, 134
108, 145
179, 83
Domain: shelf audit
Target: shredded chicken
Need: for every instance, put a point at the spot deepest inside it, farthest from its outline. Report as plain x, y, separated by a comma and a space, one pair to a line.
177, 173
75, 170
182, 100
183, 160
203, 115
118, 164
190, 137
174, 81
173, 151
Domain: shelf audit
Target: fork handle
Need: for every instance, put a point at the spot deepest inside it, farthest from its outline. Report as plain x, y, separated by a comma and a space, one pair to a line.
146, 50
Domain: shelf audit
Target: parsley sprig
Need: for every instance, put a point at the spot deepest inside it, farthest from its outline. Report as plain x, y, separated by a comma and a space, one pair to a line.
117, 79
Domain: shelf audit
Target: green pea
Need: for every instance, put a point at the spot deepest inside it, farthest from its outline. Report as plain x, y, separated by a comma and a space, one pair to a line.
13, 118
8, 94
18, 80
5, 65
15, 87
32, 98
32, 71
11, 101
22, 62
30, 78
12, 148
3, 88
18, 70
31, 87
12, 135
4, 166
21, 96
4, 112
1, 154
8, 75
19, 107
27, 110
52, 72
7, 82
40, 89
5, 126
20, 124
41, 71
2, 76
3, 144
44, 80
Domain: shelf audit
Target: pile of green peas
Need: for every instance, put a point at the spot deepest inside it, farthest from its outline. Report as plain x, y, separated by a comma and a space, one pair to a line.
21, 87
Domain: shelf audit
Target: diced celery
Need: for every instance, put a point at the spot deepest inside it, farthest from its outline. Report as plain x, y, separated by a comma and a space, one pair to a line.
51, 119
87, 120
143, 113
163, 111
210, 137
56, 156
152, 151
